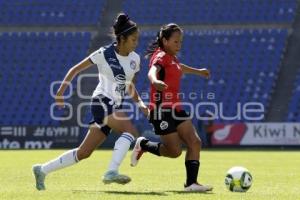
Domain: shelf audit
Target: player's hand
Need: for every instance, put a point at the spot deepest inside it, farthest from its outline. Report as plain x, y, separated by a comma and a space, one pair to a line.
205, 72
145, 110
59, 99
160, 85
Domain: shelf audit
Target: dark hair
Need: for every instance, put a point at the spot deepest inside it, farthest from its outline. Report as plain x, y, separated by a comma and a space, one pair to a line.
123, 26
166, 32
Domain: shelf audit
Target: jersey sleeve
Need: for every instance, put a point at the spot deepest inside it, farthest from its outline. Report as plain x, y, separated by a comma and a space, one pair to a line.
138, 64
161, 59
97, 57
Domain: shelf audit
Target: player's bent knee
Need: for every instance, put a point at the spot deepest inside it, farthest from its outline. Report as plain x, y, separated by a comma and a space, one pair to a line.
198, 144
199, 141
175, 153
130, 129
83, 154
195, 144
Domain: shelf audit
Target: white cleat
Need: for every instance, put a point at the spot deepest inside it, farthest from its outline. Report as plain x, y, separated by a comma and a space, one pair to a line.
195, 187
39, 177
137, 152
114, 177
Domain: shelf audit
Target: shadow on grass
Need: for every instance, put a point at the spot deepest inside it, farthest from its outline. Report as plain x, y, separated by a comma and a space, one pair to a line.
151, 193
184, 192
120, 192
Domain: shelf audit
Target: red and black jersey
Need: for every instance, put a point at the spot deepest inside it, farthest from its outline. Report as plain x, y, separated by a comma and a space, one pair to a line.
170, 73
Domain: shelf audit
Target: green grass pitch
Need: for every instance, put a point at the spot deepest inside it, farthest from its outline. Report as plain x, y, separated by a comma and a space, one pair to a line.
276, 175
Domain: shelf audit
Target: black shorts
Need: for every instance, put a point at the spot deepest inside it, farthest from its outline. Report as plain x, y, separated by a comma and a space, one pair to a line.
166, 120
101, 106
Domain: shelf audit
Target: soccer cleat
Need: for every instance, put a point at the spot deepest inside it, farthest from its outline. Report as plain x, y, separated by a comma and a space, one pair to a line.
137, 152
39, 177
115, 177
195, 187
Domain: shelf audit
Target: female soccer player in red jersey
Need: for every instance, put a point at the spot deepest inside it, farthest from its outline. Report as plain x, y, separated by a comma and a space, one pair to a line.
167, 116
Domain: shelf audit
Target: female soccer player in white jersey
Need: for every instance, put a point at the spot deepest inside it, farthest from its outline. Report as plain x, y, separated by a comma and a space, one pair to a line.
117, 65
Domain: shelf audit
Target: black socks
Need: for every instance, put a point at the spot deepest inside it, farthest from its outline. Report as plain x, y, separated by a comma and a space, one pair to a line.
192, 168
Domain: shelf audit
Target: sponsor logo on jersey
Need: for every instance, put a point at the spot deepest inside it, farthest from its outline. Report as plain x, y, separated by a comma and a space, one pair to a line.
120, 78
112, 60
115, 66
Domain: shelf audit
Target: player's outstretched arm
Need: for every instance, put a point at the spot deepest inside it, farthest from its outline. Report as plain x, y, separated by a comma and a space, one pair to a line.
190, 70
76, 69
158, 84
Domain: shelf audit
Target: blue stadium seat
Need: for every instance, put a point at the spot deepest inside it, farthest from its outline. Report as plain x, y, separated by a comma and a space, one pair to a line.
29, 71
209, 11
50, 12
294, 105
239, 61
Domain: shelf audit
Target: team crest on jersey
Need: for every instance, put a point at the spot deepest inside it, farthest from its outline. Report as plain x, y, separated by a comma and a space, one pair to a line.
132, 64
164, 125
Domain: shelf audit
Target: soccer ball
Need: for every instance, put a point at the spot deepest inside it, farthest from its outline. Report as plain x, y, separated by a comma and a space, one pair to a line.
238, 179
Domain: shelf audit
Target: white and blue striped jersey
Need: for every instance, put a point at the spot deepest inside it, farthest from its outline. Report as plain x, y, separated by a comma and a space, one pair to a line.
115, 72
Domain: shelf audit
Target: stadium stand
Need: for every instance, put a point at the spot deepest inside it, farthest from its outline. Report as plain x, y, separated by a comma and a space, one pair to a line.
243, 63
294, 105
51, 12
30, 62
211, 11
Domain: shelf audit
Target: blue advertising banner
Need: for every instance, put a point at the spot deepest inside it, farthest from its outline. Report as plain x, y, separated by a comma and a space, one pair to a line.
39, 137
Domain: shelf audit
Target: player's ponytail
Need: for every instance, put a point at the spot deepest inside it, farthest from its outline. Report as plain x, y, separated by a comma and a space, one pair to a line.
123, 26
166, 32
154, 45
